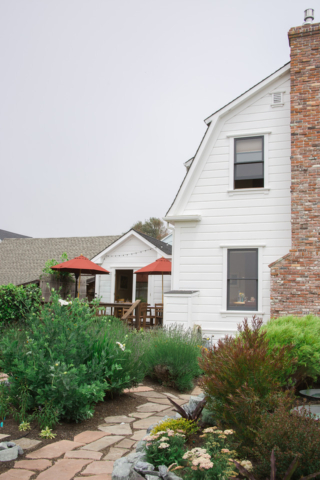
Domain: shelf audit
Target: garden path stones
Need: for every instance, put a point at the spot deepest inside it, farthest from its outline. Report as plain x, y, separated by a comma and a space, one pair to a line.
98, 468
124, 429
151, 407
196, 391
40, 464
103, 443
90, 436
55, 450
138, 389
139, 435
17, 474
119, 419
83, 454
27, 443
64, 469
150, 394
185, 397
104, 476
2, 436
145, 422
116, 452
126, 443
141, 414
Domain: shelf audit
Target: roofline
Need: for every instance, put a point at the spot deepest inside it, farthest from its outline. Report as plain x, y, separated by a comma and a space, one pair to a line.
124, 237
250, 91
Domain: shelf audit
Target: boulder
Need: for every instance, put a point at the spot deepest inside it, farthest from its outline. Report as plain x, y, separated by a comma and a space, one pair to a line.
9, 451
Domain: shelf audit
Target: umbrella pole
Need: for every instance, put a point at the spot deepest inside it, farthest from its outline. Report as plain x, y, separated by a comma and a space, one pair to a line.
76, 288
162, 288
79, 283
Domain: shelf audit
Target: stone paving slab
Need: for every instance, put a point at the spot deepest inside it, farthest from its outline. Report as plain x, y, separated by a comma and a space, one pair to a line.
141, 414
119, 429
55, 450
185, 397
171, 395
151, 407
139, 435
146, 422
137, 389
84, 454
27, 443
165, 401
90, 436
119, 419
150, 394
105, 476
3, 436
126, 443
169, 413
64, 469
115, 452
98, 468
16, 475
40, 464
103, 443
197, 391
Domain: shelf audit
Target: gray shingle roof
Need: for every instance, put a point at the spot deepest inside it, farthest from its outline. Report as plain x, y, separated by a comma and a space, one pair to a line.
23, 259
5, 234
157, 243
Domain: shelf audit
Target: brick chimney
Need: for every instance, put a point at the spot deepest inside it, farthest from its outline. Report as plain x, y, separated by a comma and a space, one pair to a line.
295, 278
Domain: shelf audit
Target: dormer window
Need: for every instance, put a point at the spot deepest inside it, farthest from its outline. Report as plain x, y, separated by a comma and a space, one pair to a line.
248, 162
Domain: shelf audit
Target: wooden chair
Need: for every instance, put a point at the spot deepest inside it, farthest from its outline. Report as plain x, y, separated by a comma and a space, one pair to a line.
158, 314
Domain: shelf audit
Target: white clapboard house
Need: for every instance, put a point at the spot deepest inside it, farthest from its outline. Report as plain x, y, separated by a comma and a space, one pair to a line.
232, 214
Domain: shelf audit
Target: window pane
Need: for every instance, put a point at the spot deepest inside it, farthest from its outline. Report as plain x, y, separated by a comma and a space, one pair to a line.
249, 149
243, 264
242, 295
249, 157
248, 171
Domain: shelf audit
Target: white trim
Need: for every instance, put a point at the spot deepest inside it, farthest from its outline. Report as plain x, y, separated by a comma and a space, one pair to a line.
248, 133
182, 295
248, 191
226, 247
175, 259
182, 218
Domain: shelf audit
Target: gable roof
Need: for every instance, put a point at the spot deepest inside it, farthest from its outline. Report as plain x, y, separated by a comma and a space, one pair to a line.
23, 259
5, 234
158, 244
213, 119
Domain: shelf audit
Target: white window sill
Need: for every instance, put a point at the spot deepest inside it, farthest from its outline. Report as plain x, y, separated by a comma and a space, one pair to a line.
249, 191
240, 313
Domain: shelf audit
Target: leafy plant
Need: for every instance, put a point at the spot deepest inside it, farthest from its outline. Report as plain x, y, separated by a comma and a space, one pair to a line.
304, 334
24, 426
179, 425
47, 270
291, 435
165, 447
47, 433
191, 416
16, 303
172, 356
287, 475
243, 378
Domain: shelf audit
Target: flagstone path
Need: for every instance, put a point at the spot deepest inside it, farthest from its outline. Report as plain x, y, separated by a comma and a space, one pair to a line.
91, 454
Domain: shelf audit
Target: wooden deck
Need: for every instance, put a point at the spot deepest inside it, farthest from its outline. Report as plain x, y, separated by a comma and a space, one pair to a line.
137, 315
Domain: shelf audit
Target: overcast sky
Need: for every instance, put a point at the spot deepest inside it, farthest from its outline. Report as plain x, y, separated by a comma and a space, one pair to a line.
101, 101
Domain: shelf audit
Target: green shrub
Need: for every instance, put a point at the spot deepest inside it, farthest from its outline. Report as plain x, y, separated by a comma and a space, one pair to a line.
18, 302
181, 425
172, 356
243, 377
290, 435
165, 447
65, 361
304, 334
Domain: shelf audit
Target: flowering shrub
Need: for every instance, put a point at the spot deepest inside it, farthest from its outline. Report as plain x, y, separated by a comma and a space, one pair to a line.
172, 356
243, 377
290, 435
165, 447
66, 360
179, 425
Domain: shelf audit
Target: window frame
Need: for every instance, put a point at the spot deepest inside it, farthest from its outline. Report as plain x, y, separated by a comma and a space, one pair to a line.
240, 308
239, 139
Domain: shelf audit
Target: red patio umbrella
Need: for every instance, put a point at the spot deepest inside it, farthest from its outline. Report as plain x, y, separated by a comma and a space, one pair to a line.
162, 266
80, 265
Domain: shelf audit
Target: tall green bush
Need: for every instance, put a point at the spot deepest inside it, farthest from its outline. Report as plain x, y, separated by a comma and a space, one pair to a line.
67, 359
304, 334
172, 356
16, 302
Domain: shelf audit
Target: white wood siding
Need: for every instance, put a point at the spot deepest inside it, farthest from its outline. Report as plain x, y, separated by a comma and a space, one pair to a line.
234, 217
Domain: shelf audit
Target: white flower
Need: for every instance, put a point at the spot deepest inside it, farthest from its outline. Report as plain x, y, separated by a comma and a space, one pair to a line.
63, 302
122, 347
164, 445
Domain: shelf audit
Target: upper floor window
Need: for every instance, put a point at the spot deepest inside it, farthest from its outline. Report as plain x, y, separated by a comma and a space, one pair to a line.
248, 162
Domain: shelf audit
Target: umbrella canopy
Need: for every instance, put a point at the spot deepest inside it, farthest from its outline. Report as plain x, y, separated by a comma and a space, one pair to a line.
162, 266
80, 265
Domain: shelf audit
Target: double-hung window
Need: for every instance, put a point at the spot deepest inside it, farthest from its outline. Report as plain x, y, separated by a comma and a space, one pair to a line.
242, 279
249, 162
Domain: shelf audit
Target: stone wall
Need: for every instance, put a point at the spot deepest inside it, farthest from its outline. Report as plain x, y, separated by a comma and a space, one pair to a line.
295, 278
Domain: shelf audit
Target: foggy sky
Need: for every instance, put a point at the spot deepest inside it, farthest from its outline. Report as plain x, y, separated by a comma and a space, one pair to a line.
101, 101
